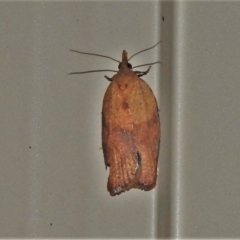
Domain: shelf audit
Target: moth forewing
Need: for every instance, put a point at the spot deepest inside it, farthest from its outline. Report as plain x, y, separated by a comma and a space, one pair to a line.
130, 133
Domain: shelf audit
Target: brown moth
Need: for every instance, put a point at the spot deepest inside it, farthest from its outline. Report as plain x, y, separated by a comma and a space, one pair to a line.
130, 129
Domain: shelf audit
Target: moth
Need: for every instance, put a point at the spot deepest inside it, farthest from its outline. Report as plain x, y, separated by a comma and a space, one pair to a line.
130, 128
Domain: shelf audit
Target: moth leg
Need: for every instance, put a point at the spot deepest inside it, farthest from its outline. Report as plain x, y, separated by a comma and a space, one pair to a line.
108, 78
140, 74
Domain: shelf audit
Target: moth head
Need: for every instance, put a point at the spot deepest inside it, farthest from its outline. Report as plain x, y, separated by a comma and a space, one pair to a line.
129, 65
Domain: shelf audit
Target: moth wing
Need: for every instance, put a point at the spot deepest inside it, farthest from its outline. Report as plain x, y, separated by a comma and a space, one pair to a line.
146, 134
119, 149
130, 136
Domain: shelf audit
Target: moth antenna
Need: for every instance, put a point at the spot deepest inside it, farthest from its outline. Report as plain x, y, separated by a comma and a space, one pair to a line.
94, 54
144, 50
101, 70
146, 64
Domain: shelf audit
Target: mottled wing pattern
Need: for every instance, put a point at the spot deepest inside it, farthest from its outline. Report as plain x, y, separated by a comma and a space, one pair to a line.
118, 147
130, 135
146, 134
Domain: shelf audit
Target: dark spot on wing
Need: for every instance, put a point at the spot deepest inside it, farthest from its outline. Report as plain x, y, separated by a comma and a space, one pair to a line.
139, 158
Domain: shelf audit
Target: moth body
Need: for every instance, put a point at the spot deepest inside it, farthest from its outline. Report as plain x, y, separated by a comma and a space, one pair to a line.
130, 128
130, 131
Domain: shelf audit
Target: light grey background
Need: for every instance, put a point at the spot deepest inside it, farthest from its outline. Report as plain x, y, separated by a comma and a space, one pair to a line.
52, 173
205, 120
